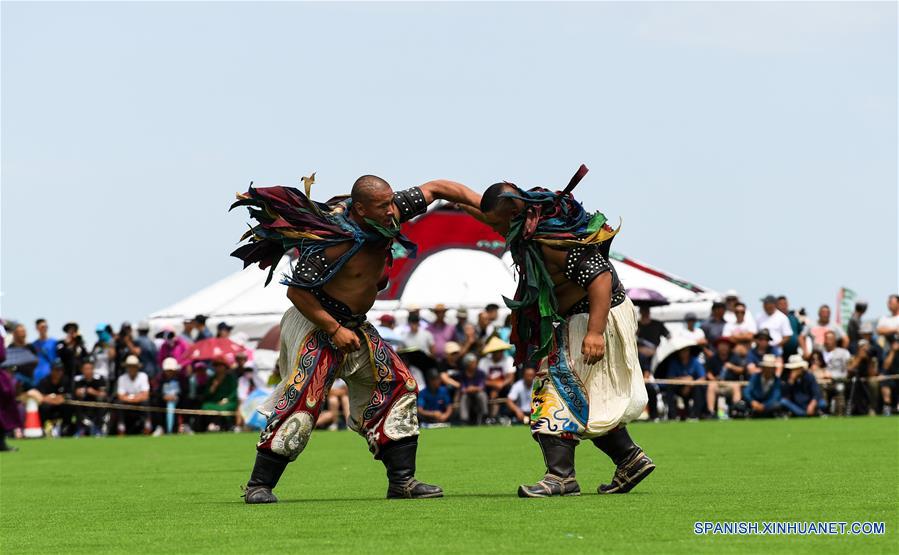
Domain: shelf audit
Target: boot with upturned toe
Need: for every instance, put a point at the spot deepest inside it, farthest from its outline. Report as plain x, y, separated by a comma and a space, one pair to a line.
266, 473
632, 464
399, 460
558, 454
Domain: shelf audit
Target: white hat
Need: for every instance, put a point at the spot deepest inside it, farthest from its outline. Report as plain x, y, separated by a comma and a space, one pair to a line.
795, 361
132, 360
769, 361
170, 364
731, 293
451, 347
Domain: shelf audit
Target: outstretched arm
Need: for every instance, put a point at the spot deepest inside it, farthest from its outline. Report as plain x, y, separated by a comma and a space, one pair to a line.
444, 189
473, 212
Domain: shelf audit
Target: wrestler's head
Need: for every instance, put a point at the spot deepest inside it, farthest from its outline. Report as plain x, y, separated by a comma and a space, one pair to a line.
373, 200
499, 210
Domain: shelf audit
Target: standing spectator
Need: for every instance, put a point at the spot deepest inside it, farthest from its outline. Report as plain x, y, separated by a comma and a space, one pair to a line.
519, 399
763, 393
187, 332
434, 403
459, 328
89, 387
741, 330
172, 346
777, 324
386, 325
757, 354
148, 352
70, 350
866, 332
223, 331
200, 331
649, 334
499, 368
731, 300
221, 393
45, 347
124, 347
888, 326
441, 331
103, 353
692, 332
416, 337
800, 392
10, 417
472, 396
855, 323
24, 377
816, 331
132, 388
890, 387
714, 326
685, 365
791, 346
54, 390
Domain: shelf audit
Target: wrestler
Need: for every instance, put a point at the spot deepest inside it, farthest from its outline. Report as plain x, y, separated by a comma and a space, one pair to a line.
572, 321
345, 247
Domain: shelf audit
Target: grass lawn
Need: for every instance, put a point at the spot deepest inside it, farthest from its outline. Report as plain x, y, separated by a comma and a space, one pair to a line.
181, 494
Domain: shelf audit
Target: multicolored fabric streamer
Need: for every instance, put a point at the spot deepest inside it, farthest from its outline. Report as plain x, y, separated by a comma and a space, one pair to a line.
557, 220
289, 219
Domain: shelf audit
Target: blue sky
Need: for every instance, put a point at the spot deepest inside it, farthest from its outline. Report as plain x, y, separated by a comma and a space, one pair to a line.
749, 146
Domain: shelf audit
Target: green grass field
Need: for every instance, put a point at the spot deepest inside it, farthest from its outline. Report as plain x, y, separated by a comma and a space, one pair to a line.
181, 494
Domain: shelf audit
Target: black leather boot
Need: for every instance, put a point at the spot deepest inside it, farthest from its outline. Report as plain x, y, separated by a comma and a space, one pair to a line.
632, 463
266, 473
558, 454
399, 459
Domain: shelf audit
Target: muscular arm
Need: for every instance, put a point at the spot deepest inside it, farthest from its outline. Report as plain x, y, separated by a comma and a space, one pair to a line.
444, 189
600, 293
308, 305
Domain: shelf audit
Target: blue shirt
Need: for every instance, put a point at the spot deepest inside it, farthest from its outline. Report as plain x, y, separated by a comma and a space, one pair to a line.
766, 394
436, 400
46, 355
693, 369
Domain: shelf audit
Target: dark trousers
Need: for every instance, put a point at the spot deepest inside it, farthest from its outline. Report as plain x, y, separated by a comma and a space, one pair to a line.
693, 396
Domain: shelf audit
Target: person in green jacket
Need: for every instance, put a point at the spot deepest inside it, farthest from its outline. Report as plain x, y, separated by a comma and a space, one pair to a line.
221, 393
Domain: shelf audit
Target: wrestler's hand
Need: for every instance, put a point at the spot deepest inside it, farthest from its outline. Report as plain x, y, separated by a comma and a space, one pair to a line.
346, 340
593, 348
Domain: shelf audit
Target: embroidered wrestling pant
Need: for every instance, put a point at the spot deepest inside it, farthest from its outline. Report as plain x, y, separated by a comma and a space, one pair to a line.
576, 400
383, 393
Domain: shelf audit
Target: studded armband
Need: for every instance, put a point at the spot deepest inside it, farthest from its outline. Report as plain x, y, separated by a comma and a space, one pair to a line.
410, 203
584, 264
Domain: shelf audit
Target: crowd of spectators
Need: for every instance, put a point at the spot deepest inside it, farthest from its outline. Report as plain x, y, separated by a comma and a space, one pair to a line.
778, 362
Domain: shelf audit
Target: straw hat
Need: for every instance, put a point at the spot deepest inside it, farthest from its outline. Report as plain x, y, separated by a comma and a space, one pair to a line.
495, 344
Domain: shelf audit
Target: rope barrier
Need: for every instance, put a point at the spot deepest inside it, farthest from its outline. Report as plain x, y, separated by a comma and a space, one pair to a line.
678, 381
142, 408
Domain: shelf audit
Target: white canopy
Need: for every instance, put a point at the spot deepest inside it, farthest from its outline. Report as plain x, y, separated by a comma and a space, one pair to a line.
455, 277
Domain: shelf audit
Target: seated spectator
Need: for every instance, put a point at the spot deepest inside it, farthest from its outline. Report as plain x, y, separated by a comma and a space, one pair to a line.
435, 405
54, 390
815, 332
172, 346
837, 361
862, 369
103, 354
441, 331
472, 394
500, 370
776, 322
168, 388
338, 400
89, 387
762, 395
248, 381
685, 365
757, 353
416, 337
220, 394
519, 399
800, 392
741, 329
714, 326
691, 331
449, 367
132, 388
459, 328
724, 365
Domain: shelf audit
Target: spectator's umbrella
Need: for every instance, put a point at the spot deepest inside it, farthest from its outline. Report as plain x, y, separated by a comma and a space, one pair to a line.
646, 297
21, 359
271, 341
668, 349
208, 349
417, 358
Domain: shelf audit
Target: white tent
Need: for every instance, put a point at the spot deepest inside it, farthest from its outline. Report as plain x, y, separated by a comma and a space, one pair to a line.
455, 277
